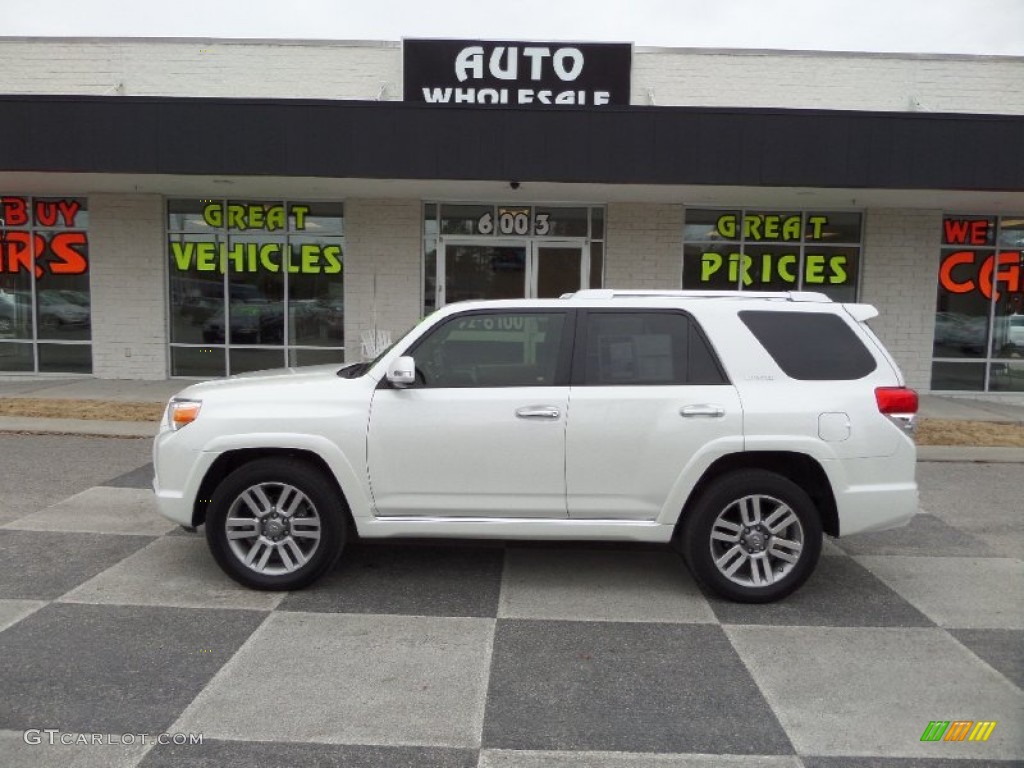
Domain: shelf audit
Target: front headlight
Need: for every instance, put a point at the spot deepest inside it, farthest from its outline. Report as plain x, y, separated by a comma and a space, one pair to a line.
181, 412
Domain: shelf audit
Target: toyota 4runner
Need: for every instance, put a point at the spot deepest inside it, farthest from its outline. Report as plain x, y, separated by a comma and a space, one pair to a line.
740, 427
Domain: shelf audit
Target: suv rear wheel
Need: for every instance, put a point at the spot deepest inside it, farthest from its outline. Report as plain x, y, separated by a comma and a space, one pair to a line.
276, 524
753, 536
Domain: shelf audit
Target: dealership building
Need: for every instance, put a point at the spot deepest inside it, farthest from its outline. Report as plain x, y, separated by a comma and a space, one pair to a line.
200, 208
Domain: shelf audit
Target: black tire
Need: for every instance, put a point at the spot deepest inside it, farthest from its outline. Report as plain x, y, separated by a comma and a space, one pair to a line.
322, 501
761, 574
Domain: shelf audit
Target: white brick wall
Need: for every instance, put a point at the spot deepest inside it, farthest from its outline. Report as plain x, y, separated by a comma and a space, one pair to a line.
674, 77
644, 246
127, 280
899, 273
383, 275
271, 69
817, 80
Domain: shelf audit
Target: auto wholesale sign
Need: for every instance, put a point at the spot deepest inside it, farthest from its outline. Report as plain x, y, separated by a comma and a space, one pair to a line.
516, 74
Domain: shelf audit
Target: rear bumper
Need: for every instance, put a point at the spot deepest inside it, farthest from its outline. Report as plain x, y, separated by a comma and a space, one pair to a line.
876, 494
876, 508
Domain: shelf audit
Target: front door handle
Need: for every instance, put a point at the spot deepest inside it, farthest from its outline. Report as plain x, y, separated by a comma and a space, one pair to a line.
712, 411
548, 412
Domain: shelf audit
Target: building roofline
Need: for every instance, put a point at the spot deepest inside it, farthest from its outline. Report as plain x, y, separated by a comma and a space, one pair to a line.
397, 44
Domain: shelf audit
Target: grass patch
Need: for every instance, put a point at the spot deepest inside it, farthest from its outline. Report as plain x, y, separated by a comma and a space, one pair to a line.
94, 410
974, 433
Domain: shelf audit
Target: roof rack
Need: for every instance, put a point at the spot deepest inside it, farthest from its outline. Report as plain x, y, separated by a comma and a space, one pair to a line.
610, 293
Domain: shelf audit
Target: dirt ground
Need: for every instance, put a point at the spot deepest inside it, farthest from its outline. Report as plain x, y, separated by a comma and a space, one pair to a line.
930, 431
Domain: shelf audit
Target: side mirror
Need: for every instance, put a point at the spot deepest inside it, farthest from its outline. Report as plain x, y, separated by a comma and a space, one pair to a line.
402, 371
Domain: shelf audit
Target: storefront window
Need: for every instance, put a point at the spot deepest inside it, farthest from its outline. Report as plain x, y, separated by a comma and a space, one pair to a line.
979, 312
45, 303
735, 249
254, 285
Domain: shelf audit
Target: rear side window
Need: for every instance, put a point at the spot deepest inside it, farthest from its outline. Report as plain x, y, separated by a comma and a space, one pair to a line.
812, 346
648, 348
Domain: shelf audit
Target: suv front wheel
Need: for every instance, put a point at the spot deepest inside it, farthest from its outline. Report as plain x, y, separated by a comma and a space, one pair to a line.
276, 524
753, 536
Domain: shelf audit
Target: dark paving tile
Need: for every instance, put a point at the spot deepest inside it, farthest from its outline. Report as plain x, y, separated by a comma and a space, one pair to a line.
904, 762
40, 470
420, 580
925, 535
113, 668
840, 593
44, 565
142, 477
561, 685
1002, 649
269, 754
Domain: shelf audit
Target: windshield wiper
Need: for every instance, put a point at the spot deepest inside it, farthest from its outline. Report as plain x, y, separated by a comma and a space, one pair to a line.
354, 371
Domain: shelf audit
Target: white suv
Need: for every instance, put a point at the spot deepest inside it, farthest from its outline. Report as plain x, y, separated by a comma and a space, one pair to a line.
738, 426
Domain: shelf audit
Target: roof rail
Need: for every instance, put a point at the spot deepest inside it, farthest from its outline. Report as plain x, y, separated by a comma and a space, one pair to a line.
610, 293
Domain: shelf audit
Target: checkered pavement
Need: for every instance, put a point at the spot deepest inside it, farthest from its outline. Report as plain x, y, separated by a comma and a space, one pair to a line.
511, 655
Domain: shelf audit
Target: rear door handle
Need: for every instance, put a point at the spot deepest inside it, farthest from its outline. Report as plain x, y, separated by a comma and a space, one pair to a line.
548, 412
711, 411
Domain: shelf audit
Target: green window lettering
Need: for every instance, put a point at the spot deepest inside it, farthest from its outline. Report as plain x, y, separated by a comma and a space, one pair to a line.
206, 257
332, 255
182, 253
710, 263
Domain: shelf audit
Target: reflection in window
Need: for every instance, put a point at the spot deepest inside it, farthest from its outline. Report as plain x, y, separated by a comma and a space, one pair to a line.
492, 350
254, 284
44, 292
979, 308
734, 249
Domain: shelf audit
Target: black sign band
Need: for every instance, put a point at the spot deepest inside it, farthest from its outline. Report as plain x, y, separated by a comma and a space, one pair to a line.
516, 74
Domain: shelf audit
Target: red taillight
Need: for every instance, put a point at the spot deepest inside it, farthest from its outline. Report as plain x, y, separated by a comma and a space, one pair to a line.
893, 400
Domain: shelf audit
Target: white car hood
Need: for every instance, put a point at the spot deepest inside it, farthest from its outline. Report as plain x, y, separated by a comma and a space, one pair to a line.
250, 383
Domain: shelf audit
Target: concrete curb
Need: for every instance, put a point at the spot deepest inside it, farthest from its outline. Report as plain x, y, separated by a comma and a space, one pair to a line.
965, 453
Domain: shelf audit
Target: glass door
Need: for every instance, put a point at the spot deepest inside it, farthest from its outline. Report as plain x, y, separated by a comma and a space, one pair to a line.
557, 268
489, 270
508, 269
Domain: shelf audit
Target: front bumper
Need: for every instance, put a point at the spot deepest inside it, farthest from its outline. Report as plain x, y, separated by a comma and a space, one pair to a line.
178, 473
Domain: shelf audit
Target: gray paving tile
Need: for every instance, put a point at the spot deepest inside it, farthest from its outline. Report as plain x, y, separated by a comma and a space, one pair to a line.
172, 571
40, 470
839, 593
141, 477
830, 548
963, 592
213, 753
504, 758
100, 510
43, 565
17, 753
678, 688
352, 679
872, 691
909, 762
981, 499
416, 579
13, 611
112, 669
600, 585
925, 535
1000, 648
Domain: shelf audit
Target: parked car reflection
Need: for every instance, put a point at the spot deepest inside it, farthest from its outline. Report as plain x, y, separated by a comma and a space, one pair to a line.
957, 335
252, 322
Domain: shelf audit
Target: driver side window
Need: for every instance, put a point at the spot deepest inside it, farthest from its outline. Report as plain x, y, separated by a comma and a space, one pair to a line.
492, 349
